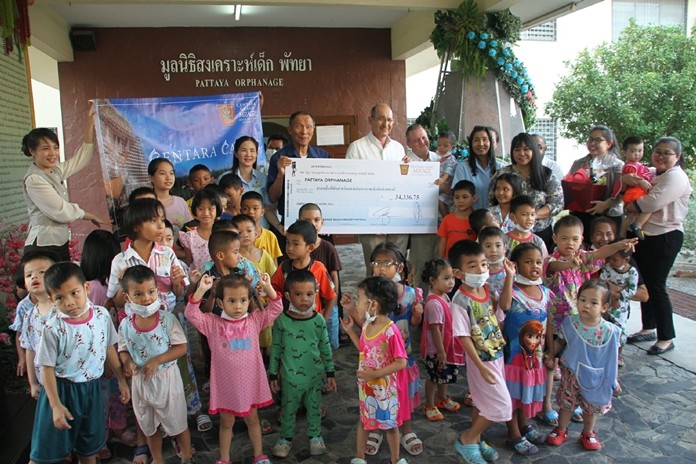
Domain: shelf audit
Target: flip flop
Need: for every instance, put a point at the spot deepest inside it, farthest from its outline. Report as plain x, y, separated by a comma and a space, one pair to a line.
141, 450
549, 417
203, 423
412, 444
266, 427
468, 400
374, 441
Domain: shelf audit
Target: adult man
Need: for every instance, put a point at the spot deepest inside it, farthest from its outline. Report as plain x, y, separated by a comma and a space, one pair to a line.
301, 129
275, 142
548, 162
423, 246
377, 145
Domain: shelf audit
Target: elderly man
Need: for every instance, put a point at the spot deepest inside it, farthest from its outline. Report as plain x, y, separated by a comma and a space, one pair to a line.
548, 162
377, 145
301, 129
424, 247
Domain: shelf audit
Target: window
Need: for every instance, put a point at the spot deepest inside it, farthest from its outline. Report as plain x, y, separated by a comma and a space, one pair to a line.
543, 32
546, 127
645, 12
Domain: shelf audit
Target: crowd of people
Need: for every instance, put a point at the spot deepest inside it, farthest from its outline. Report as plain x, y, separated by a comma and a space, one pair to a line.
518, 294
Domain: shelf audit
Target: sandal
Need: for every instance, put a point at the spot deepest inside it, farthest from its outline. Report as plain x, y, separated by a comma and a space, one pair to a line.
263, 459
577, 416
557, 374
522, 446
374, 441
589, 441
470, 453
448, 405
432, 414
203, 423
141, 450
549, 417
206, 387
266, 427
488, 452
412, 444
358, 461
104, 454
317, 446
468, 400
533, 435
557, 437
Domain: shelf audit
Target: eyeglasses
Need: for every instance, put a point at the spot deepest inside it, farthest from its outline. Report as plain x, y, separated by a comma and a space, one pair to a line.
383, 263
663, 154
382, 119
541, 147
595, 140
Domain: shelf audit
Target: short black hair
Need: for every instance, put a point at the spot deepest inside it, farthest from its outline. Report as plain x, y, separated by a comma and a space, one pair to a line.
35, 136
60, 273
241, 218
98, 251
516, 254
251, 195
462, 249
304, 228
596, 283
309, 207
140, 211
567, 221
465, 185
602, 220
511, 178
28, 257
299, 276
198, 167
489, 232
206, 195
136, 274
220, 240
631, 140
235, 279
291, 120
521, 200
141, 192
433, 268
449, 135
225, 225
383, 291
278, 136
216, 189
230, 180
477, 219
153, 166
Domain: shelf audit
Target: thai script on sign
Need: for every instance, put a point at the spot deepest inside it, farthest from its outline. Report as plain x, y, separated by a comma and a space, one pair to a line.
188, 63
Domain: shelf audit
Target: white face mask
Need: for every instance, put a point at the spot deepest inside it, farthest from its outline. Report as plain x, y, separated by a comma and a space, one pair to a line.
396, 278
84, 311
521, 229
270, 152
370, 318
497, 261
476, 280
293, 309
227, 317
522, 280
141, 310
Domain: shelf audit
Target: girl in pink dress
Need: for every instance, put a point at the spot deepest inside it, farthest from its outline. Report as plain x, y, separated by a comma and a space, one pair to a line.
206, 208
381, 370
238, 384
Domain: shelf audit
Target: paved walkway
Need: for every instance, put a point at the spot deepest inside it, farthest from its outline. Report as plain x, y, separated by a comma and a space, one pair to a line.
653, 421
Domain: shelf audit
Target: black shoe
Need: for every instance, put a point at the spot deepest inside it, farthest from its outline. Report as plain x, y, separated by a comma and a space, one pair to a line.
637, 231
640, 337
655, 350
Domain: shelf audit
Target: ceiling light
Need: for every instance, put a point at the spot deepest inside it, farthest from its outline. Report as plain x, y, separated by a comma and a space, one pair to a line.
237, 12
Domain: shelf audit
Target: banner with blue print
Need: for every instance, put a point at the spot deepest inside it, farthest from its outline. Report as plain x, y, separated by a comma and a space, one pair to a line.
131, 132
365, 196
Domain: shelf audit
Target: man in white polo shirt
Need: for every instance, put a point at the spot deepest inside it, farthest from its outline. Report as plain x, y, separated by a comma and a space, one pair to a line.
377, 145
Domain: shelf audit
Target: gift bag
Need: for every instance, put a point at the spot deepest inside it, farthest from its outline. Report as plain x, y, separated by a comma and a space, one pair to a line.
579, 192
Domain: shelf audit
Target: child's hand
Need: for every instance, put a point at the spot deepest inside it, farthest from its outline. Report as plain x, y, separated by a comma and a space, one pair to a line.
617, 389
645, 185
417, 309
265, 286
487, 375
194, 276
125, 391
441, 360
549, 362
205, 284
629, 244
576, 260
347, 324
367, 374
21, 367
347, 301
149, 369
61, 416
176, 273
275, 387
510, 267
330, 384
34, 390
130, 368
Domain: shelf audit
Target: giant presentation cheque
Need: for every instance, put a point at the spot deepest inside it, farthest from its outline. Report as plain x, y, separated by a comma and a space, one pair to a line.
364, 197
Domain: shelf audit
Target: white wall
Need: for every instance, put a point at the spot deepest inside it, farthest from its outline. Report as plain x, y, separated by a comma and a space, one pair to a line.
45, 92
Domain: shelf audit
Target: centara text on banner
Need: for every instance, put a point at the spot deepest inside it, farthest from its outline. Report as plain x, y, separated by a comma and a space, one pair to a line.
184, 130
364, 197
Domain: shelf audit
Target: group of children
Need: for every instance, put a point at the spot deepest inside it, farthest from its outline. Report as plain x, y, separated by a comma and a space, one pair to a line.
267, 327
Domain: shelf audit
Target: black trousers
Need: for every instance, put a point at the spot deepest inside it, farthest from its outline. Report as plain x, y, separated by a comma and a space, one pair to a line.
57, 253
655, 256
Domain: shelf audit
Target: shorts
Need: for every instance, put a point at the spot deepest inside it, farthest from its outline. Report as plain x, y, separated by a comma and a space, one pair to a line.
570, 397
160, 401
87, 434
440, 376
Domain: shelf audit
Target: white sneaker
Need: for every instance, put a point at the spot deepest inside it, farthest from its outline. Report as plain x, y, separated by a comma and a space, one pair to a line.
282, 448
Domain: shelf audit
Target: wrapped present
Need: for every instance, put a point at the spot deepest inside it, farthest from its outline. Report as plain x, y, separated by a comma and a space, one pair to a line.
579, 191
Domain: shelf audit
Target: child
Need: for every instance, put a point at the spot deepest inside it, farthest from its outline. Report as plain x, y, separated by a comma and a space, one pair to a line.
25, 305
301, 237
72, 351
301, 354
238, 385
389, 262
252, 205
480, 219
35, 267
167, 238
206, 208
381, 377
523, 215
492, 239
525, 303
247, 234
455, 226
445, 143
199, 177
150, 341
442, 353
222, 196
622, 280
589, 347
234, 189
476, 322
633, 153
325, 252
162, 177
243, 264
507, 187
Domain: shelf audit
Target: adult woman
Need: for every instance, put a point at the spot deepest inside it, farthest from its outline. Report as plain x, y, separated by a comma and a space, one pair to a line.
480, 166
45, 192
604, 167
668, 201
538, 182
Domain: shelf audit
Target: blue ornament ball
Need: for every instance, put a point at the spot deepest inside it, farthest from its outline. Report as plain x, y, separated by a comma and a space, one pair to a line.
500, 61
482, 44
492, 52
471, 35
494, 43
484, 35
